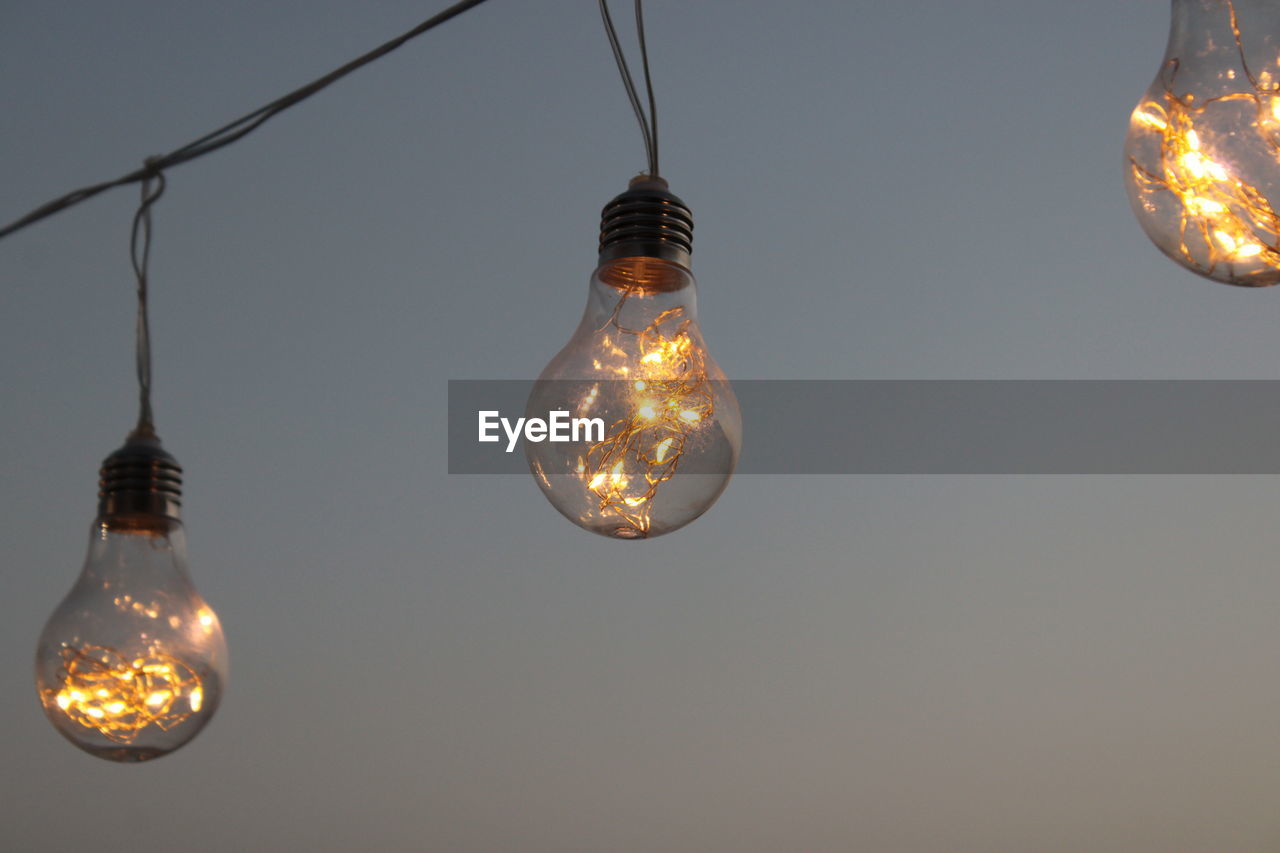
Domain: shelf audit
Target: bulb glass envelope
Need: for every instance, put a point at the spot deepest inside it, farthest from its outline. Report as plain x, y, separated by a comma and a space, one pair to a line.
1202, 155
131, 664
672, 429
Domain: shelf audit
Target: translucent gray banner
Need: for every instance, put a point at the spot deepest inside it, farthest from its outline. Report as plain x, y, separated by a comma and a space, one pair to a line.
949, 427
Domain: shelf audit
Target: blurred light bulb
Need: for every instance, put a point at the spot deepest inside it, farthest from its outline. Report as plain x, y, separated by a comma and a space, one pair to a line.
672, 429
1202, 157
131, 664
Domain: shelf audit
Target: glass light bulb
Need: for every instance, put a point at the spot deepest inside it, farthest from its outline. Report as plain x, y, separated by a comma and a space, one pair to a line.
131, 664
1202, 156
672, 426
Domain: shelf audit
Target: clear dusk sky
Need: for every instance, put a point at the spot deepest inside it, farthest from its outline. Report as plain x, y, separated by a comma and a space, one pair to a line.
923, 189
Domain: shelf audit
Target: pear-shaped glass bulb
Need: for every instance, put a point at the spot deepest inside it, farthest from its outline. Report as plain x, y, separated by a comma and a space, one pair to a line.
672, 428
1202, 156
131, 665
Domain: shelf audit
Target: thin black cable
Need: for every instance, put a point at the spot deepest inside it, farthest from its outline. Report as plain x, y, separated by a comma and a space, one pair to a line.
630, 86
648, 84
140, 256
237, 129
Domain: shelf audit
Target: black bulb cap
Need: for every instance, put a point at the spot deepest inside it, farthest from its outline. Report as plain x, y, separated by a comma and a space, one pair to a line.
647, 221
140, 485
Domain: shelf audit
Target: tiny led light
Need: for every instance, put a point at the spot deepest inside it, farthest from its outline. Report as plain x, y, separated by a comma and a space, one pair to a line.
120, 698
1204, 162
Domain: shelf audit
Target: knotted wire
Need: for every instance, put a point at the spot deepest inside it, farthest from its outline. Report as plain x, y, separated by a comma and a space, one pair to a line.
233, 131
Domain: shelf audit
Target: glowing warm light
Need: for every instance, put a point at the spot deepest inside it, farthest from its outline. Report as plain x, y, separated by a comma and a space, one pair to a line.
1205, 206
1150, 120
1199, 164
640, 344
642, 451
120, 698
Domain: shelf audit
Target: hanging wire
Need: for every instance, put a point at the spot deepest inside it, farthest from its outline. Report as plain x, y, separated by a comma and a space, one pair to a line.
648, 85
235, 130
649, 123
140, 255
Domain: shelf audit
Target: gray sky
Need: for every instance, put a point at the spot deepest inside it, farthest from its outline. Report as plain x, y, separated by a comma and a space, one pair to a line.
909, 190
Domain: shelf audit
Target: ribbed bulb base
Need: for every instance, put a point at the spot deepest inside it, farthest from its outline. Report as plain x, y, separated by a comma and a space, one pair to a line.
647, 221
140, 486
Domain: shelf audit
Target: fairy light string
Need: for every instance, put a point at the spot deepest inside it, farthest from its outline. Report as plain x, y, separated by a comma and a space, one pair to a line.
1223, 219
669, 398
120, 697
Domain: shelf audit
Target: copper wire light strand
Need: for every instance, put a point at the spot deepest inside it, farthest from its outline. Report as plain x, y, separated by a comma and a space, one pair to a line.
1230, 218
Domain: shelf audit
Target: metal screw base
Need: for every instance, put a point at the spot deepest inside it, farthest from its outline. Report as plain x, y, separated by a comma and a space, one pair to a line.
647, 221
140, 486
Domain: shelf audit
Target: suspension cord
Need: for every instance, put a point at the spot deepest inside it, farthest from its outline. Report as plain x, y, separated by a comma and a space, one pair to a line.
235, 130
140, 255
648, 123
648, 85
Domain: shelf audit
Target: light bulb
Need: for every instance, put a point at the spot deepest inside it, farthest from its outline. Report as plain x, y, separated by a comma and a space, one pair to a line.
132, 663
1202, 157
637, 362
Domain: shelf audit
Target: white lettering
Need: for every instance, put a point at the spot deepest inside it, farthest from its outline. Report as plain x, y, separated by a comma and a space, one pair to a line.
559, 428
488, 421
512, 434
588, 425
